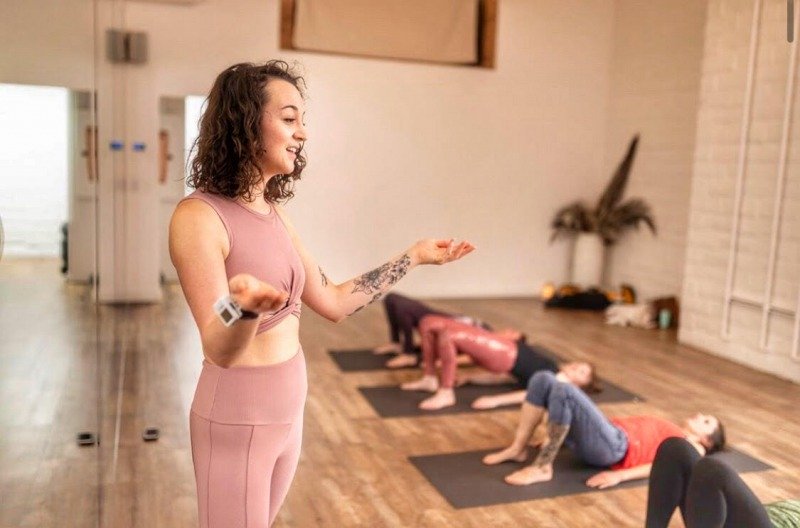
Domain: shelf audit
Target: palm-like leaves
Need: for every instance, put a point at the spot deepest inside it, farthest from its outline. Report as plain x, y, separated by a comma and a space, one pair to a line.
627, 216
572, 218
616, 187
608, 219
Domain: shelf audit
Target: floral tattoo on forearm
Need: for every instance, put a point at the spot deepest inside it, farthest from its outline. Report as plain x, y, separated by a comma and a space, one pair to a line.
381, 278
375, 298
556, 434
324, 278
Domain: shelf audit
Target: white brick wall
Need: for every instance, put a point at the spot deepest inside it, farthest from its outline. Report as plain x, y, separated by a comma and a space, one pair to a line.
722, 98
655, 82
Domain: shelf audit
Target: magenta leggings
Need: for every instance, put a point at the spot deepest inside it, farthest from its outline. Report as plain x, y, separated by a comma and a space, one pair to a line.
246, 427
443, 338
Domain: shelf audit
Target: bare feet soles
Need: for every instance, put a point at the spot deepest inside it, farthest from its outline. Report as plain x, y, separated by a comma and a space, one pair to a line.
506, 455
530, 475
401, 361
425, 383
443, 398
388, 348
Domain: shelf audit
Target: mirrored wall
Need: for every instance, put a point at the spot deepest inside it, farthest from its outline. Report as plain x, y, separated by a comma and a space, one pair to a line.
49, 345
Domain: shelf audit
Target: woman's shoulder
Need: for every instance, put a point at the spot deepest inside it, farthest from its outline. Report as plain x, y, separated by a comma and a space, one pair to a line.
195, 206
196, 212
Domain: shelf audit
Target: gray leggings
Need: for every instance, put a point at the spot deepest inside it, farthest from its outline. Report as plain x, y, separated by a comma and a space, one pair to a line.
591, 436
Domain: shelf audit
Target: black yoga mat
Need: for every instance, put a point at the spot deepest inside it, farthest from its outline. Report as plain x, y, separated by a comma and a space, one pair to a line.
392, 401
361, 360
465, 482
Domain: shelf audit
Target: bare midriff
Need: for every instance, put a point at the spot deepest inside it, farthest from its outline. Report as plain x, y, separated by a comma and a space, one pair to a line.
276, 345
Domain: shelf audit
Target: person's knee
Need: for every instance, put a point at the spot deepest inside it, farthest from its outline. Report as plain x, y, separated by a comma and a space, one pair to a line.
542, 378
676, 453
432, 323
445, 335
539, 387
676, 449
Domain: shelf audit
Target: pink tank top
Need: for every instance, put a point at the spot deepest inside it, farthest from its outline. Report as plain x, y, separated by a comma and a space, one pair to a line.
261, 246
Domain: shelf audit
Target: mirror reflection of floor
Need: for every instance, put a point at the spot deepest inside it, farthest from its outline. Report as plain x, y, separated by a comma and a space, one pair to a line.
354, 470
48, 389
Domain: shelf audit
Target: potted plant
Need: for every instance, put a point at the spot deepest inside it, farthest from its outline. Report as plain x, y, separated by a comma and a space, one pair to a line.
593, 229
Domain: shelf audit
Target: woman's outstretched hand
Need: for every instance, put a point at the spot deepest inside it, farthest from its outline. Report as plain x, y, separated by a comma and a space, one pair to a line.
254, 295
433, 251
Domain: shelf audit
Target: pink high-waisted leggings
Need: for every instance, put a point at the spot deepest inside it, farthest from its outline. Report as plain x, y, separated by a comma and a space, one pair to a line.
443, 338
246, 427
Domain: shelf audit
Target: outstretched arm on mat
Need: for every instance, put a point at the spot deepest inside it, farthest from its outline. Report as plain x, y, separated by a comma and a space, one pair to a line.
498, 400
612, 477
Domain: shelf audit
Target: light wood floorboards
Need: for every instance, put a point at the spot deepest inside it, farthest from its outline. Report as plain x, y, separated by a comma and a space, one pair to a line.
67, 366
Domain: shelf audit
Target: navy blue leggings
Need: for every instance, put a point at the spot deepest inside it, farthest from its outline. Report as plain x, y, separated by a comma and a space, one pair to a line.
708, 493
591, 436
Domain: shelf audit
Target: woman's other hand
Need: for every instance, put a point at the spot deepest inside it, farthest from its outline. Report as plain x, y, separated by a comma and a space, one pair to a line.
433, 251
254, 295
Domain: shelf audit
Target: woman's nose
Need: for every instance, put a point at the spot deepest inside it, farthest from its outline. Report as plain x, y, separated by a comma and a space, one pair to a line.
300, 134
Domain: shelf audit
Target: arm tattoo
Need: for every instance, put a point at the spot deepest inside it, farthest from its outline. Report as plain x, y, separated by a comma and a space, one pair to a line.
556, 434
382, 277
324, 278
375, 298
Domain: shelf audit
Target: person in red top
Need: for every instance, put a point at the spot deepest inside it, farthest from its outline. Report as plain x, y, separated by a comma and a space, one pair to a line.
627, 446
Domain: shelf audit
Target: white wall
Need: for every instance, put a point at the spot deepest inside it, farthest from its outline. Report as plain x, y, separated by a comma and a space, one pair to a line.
400, 151
722, 97
655, 85
48, 42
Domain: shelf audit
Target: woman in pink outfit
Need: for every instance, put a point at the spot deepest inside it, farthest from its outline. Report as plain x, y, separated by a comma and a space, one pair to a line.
244, 273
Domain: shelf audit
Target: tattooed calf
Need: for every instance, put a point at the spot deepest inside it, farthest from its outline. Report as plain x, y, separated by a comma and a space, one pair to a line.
556, 434
381, 277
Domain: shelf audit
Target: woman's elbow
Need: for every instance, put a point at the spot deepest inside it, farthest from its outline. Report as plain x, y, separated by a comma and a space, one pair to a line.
330, 313
336, 317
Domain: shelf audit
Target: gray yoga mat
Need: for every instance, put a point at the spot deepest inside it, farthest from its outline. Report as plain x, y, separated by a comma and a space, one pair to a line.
392, 401
465, 482
361, 360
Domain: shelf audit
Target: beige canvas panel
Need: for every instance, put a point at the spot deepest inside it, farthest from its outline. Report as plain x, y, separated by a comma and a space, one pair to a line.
428, 30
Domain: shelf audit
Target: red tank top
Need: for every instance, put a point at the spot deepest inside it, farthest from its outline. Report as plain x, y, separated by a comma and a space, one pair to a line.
645, 434
261, 246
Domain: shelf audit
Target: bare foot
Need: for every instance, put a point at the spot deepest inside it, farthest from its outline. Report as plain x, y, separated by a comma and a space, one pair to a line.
443, 398
530, 475
401, 361
506, 455
425, 383
388, 348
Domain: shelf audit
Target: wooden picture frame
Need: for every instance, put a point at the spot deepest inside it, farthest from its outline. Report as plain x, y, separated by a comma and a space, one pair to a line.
487, 34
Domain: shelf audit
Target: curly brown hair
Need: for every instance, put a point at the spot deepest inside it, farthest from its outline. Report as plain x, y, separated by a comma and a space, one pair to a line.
229, 146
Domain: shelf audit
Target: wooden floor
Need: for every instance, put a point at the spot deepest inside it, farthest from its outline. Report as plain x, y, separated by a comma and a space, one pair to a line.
69, 366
